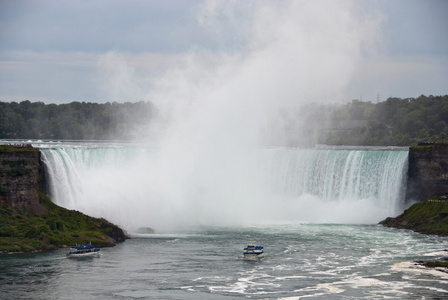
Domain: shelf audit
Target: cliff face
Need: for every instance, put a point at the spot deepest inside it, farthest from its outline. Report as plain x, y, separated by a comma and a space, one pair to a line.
30, 221
428, 178
20, 176
428, 172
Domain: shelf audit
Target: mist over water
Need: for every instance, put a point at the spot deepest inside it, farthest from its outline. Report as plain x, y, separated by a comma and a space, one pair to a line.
215, 109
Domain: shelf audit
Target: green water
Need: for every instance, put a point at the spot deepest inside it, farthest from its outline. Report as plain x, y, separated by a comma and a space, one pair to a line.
302, 261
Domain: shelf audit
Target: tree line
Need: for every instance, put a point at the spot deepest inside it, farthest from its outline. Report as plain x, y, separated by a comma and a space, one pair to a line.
73, 121
394, 122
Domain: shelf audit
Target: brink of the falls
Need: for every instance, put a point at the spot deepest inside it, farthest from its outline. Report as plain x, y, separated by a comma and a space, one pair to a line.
137, 186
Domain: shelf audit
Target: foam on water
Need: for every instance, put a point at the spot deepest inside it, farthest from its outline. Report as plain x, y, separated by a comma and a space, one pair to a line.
138, 186
415, 269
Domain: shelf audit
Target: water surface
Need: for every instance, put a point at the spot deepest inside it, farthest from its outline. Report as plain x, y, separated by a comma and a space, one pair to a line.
303, 261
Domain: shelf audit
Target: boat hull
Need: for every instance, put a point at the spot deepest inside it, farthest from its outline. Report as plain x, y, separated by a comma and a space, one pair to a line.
253, 256
80, 255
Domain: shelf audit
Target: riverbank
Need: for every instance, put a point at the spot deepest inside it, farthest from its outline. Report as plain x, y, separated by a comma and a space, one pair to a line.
58, 228
429, 217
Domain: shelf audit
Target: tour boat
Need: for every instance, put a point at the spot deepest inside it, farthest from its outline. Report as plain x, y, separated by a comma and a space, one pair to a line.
253, 252
83, 251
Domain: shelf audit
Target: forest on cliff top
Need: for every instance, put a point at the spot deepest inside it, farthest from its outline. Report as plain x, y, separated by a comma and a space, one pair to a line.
394, 122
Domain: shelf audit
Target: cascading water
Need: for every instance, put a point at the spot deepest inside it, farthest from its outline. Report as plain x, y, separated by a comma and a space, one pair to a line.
335, 175
136, 187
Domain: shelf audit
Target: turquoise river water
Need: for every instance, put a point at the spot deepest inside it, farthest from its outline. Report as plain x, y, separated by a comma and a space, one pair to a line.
302, 261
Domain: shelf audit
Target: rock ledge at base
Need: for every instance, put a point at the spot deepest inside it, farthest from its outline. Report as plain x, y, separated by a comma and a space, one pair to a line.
430, 217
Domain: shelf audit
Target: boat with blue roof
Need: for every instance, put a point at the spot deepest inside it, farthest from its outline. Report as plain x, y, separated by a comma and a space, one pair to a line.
253, 252
87, 250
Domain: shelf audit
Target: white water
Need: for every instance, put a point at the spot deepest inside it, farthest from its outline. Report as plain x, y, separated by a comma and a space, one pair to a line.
140, 186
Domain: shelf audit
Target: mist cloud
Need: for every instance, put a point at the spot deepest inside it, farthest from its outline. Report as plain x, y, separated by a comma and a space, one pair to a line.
214, 108
282, 54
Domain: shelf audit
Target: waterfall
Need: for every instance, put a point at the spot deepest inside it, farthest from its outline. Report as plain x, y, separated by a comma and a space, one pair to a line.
335, 175
135, 186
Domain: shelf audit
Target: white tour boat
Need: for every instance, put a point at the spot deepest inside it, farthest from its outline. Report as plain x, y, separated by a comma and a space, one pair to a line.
252, 252
83, 251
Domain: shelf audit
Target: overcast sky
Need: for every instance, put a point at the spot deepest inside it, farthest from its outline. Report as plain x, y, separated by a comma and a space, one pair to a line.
59, 51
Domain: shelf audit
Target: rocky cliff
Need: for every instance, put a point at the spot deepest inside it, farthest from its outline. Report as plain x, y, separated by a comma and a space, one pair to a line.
428, 172
20, 177
29, 221
427, 185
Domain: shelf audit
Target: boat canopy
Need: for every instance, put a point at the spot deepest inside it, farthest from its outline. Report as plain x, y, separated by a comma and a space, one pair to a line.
82, 247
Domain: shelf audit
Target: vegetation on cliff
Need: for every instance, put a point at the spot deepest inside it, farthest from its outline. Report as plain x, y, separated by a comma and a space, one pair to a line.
429, 146
58, 227
429, 217
20, 148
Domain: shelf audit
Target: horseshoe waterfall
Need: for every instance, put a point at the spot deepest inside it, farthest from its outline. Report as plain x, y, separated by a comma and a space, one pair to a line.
143, 186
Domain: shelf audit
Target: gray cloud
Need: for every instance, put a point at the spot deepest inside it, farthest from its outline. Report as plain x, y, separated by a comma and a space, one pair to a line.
54, 50
416, 28
98, 26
